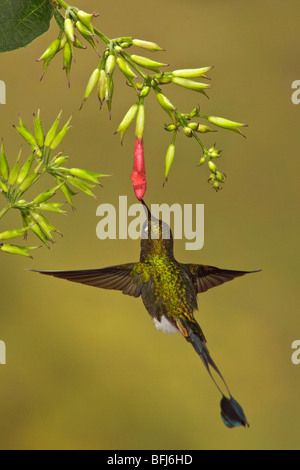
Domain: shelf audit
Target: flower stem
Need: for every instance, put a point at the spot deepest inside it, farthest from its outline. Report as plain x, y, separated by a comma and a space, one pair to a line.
63, 4
200, 142
102, 36
202, 116
184, 121
127, 57
5, 210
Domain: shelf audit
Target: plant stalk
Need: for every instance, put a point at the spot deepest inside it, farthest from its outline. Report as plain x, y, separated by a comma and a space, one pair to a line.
5, 210
63, 4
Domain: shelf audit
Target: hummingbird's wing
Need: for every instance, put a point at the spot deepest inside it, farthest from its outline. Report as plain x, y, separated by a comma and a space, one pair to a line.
115, 278
231, 412
206, 277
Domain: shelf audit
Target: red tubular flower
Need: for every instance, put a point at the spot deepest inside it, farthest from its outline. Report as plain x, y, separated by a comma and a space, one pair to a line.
138, 176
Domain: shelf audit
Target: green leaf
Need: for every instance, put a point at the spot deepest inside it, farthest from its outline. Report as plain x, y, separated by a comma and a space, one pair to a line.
22, 21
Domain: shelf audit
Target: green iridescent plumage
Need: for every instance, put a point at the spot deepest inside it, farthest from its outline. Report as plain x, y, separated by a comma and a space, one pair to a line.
169, 292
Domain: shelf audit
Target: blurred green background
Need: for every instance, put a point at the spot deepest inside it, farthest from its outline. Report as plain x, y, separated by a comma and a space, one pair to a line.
85, 368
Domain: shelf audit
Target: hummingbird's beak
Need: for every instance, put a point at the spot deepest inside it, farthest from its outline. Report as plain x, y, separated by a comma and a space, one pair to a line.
147, 210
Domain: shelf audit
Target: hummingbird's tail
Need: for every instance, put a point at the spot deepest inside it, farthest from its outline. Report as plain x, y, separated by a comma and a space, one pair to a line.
231, 412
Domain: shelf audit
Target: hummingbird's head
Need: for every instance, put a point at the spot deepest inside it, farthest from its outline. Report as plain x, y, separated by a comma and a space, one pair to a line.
156, 235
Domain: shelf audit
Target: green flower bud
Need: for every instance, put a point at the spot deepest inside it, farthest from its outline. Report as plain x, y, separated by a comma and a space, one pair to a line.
110, 64
193, 125
44, 224
191, 73
4, 168
190, 84
188, 131
57, 162
93, 80
170, 127
51, 134
14, 172
147, 63
49, 55
51, 207
128, 119
87, 34
86, 19
109, 91
216, 185
17, 250
226, 124
25, 169
69, 29
214, 153
169, 160
124, 39
204, 129
62, 42
125, 44
84, 31
41, 230
58, 139
67, 192
220, 177
150, 46
164, 78
28, 182
3, 187
195, 112
81, 185
108, 88
86, 175
67, 59
45, 196
26, 134
37, 230
51, 51
13, 233
125, 68
164, 102
212, 166
145, 91
102, 85
140, 122
202, 161
77, 43
39, 130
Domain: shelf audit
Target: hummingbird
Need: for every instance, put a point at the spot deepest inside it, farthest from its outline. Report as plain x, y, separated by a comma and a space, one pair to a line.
169, 292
